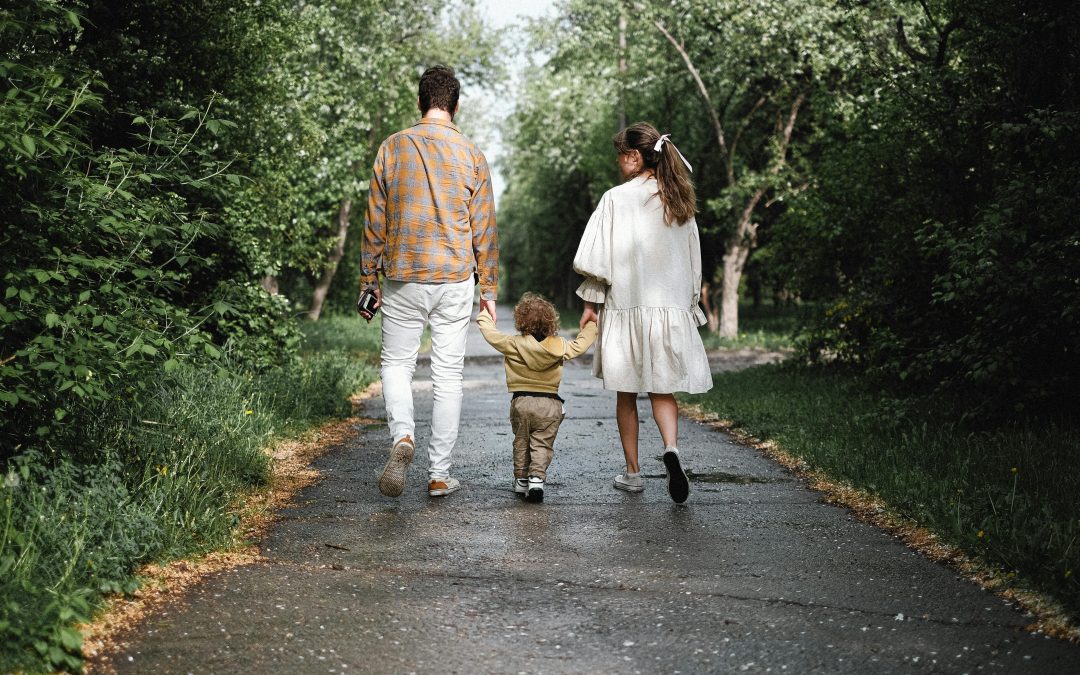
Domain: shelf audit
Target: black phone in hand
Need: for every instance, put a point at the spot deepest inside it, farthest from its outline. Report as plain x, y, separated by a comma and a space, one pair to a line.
367, 305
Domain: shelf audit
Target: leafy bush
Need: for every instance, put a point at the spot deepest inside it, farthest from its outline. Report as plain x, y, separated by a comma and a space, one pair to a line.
940, 234
157, 480
97, 242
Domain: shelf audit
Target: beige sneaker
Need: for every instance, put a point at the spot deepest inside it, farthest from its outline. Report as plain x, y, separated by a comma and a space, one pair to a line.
440, 487
392, 480
630, 482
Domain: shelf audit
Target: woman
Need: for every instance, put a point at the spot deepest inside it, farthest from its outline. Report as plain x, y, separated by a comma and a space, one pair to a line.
641, 257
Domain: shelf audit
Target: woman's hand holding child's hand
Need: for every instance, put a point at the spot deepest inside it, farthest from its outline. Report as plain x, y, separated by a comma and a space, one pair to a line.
587, 315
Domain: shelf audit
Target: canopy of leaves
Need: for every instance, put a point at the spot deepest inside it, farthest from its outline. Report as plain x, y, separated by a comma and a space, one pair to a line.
942, 229
926, 204
160, 158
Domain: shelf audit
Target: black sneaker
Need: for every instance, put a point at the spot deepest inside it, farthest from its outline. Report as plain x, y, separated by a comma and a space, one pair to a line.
678, 485
536, 490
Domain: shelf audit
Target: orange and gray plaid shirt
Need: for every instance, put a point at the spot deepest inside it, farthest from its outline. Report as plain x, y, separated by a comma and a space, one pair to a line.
431, 214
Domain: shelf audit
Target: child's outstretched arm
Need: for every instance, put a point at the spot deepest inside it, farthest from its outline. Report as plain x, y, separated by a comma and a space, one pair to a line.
493, 335
581, 343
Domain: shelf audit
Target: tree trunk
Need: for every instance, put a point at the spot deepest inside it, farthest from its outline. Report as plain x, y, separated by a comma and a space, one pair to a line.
729, 300
336, 254
736, 251
734, 263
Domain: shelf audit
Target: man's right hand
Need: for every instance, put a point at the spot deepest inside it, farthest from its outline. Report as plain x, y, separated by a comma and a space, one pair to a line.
489, 307
377, 292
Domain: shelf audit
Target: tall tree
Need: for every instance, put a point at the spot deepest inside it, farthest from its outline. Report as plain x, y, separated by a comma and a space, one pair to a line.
754, 66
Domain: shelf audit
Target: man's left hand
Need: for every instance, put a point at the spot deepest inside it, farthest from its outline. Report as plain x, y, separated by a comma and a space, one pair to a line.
489, 307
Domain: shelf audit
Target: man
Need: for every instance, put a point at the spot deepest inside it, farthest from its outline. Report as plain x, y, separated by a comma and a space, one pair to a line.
430, 228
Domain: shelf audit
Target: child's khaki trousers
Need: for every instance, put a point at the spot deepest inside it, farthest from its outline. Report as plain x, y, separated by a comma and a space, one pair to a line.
535, 421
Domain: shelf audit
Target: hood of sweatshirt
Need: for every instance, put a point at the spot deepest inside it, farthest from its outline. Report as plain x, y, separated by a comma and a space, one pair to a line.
541, 355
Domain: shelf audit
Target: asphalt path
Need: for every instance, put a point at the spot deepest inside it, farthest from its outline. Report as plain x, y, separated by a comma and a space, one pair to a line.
753, 574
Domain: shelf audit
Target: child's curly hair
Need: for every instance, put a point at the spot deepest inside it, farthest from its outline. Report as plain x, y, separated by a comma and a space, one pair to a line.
535, 316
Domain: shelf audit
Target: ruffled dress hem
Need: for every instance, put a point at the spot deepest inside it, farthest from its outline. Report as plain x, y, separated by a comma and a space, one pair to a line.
652, 349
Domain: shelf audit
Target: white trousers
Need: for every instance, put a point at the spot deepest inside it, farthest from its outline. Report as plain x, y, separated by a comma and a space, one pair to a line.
406, 308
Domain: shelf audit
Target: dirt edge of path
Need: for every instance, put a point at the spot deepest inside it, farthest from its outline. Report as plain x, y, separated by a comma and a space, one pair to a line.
164, 583
1048, 616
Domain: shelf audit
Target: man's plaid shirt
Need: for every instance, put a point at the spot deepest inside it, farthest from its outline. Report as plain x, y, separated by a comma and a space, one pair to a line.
431, 214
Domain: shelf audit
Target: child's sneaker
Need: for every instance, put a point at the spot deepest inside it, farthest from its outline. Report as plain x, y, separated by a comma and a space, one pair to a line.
521, 485
439, 487
678, 485
392, 479
536, 489
631, 482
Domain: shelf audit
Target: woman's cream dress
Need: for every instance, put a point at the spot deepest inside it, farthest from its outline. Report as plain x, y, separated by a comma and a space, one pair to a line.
647, 276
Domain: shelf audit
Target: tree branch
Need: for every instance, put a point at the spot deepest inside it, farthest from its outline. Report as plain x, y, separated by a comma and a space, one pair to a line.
905, 46
717, 126
928, 13
776, 198
943, 39
785, 137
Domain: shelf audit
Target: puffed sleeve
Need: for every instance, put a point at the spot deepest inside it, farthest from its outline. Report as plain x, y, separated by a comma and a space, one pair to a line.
695, 272
593, 257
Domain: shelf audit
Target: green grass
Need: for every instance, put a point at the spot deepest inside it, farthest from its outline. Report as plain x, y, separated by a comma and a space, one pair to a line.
350, 334
151, 481
1007, 496
770, 327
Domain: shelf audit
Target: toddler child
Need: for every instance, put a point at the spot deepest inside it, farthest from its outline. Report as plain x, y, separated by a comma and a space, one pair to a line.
533, 362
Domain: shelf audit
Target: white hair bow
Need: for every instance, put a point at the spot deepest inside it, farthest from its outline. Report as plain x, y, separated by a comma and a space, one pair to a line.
660, 144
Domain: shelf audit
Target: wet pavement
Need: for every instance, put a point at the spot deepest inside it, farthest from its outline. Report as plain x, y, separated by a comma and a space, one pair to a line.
753, 574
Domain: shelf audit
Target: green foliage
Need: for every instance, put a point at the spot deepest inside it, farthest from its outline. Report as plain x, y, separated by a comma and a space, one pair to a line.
258, 328
555, 178
769, 326
96, 246
162, 482
158, 160
350, 334
926, 205
941, 233
755, 60
1007, 496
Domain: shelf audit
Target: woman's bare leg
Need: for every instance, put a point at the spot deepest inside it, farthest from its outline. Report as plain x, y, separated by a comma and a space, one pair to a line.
627, 417
665, 410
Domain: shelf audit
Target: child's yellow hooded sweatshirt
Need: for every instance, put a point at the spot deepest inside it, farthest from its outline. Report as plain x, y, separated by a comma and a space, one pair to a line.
533, 365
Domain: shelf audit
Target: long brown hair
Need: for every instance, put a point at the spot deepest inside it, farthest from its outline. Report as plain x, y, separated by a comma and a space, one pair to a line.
674, 187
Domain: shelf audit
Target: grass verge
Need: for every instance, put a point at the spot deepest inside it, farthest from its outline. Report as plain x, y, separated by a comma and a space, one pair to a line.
769, 327
156, 480
1005, 498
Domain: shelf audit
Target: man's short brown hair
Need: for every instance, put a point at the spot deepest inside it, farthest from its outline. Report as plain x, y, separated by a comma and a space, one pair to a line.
439, 89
